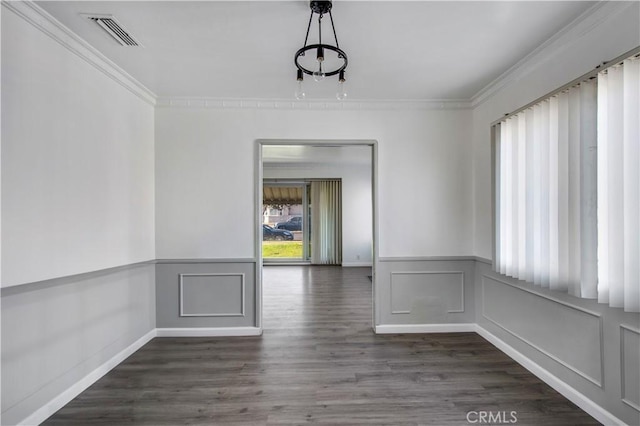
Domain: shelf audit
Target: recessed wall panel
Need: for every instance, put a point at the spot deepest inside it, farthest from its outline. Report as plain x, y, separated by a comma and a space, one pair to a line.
570, 335
630, 366
205, 293
211, 295
416, 291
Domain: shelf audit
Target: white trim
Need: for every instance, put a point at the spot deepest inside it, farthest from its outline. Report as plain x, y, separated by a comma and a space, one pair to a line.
425, 328
319, 104
356, 264
590, 407
209, 332
44, 412
47, 24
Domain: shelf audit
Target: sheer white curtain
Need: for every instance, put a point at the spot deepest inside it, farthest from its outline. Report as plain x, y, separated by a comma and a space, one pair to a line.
326, 222
619, 185
545, 193
568, 190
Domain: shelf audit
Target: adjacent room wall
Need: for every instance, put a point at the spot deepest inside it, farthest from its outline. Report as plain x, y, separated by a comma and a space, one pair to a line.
357, 213
77, 216
587, 346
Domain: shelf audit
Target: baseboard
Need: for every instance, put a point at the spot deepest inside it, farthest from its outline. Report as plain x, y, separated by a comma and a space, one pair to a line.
590, 407
209, 332
69, 394
80, 386
424, 328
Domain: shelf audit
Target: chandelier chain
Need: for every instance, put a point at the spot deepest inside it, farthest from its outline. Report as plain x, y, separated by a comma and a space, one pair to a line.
308, 28
334, 30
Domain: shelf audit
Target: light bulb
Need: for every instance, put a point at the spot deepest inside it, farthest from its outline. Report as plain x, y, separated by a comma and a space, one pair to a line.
341, 94
299, 93
319, 74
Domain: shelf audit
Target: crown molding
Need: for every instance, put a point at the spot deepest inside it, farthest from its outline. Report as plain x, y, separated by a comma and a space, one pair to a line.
583, 24
560, 41
43, 21
320, 104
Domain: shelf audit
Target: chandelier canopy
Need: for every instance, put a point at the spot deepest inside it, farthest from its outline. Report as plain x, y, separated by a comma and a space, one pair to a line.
329, 60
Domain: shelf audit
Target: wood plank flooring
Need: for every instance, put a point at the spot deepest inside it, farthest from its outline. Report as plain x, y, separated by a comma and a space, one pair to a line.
318, 362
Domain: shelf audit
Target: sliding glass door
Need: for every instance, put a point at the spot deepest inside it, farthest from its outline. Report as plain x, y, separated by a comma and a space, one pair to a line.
285, 225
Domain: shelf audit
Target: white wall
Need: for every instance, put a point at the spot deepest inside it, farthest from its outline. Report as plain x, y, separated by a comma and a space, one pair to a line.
357, 211
576, 343
205, 161
77, 162
577, 52
77, 196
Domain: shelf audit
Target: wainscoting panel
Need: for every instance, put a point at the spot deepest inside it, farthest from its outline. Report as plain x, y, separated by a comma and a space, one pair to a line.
586, 350
580, 347
424, 291
212, 295
630, 366
60, 335
207, 294
431, 289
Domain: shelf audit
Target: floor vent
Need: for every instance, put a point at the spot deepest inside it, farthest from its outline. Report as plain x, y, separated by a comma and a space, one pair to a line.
114, 29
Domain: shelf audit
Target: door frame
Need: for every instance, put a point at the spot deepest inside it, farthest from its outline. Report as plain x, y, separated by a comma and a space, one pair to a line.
259, 176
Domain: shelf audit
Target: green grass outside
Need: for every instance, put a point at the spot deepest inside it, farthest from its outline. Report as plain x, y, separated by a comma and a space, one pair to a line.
282, 249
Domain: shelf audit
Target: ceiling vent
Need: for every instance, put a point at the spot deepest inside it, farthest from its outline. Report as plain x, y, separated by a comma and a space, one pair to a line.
113, 28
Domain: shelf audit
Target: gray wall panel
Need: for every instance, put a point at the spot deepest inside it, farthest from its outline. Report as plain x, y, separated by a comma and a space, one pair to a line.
579, 341
212, 295
56, 332
424, 291
205, 294
581, 348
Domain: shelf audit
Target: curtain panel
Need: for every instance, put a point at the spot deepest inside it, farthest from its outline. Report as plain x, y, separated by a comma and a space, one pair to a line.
326, 222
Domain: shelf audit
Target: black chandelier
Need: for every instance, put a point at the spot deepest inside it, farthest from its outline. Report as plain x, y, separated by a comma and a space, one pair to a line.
338, 64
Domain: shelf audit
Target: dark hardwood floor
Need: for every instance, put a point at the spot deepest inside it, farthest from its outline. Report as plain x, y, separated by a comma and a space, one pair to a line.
318, 362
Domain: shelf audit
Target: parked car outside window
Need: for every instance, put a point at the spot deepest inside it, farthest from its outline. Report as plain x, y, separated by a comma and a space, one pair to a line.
293, 224
269, 233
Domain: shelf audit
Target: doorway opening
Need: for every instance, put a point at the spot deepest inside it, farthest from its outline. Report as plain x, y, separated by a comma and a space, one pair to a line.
292, 227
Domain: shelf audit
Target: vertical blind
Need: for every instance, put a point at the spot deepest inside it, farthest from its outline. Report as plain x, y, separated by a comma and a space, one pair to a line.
619, 185
326, 222
546, 213
568, 190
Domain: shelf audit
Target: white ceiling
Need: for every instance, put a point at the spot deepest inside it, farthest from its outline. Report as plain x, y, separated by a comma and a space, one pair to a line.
397, 50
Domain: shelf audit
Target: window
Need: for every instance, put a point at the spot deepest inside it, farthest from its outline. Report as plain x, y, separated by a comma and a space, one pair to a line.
567, 189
